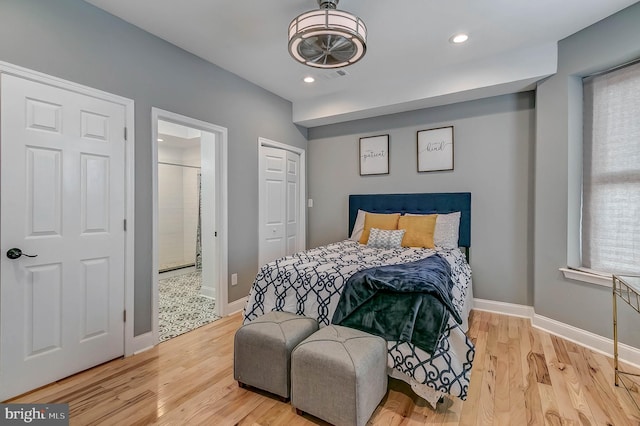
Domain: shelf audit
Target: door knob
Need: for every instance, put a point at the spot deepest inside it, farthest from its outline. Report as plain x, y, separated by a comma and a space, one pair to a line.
15, 253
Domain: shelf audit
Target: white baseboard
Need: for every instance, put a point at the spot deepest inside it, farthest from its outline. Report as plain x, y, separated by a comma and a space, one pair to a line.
503, 308
143, 342
595, 342
235, 306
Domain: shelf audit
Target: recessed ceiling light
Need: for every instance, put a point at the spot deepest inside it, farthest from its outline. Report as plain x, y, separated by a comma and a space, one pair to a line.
309, 79
459, 38
160, 140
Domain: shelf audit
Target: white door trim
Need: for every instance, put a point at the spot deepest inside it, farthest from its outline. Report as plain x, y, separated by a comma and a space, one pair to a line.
222, 241
128, 104
302, 223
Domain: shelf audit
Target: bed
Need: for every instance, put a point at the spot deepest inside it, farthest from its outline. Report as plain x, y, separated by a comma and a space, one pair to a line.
311, 282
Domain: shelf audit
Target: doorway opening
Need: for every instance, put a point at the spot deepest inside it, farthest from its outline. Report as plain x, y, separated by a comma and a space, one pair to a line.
190, 220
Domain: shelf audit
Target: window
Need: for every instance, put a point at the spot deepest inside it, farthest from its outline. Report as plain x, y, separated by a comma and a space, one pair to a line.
611, 171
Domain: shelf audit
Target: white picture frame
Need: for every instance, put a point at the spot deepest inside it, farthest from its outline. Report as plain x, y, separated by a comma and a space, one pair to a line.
435, 149
374, 155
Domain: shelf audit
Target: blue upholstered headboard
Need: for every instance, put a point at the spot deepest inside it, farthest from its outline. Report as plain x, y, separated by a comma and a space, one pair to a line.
417, 203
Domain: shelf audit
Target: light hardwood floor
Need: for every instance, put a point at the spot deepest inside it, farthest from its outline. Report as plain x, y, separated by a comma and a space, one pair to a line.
521, 376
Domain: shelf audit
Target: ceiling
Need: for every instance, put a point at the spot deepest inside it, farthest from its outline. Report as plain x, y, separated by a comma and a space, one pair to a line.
409, 64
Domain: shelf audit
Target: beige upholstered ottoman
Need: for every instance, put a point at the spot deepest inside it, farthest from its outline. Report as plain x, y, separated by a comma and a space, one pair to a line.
339, 374
262, 350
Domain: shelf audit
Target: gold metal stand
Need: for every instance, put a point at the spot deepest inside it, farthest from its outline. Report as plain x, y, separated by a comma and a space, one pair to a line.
627, 288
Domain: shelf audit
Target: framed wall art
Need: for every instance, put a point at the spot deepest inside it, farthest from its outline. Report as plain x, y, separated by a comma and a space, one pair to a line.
374, 155
435, 149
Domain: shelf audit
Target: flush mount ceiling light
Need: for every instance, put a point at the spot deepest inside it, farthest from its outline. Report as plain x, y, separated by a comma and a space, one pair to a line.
327, 38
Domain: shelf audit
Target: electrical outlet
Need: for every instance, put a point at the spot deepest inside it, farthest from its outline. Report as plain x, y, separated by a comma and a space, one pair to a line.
234, 279
310, 202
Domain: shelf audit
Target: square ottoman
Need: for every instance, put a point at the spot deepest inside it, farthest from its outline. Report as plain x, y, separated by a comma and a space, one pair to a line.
339, 374
262, 350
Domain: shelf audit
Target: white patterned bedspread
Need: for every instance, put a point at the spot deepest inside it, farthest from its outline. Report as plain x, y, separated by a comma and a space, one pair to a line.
310, 283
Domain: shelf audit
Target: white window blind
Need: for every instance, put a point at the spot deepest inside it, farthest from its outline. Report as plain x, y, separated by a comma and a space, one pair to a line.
611, 172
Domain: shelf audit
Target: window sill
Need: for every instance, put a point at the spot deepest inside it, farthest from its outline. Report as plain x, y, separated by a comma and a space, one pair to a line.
574, 274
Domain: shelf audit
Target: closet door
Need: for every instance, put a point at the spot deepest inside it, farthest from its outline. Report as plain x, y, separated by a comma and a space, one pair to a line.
292, 202
279, 203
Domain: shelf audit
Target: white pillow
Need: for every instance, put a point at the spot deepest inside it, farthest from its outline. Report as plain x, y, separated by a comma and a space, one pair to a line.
385, 239
358, 227
446, 232
447, 228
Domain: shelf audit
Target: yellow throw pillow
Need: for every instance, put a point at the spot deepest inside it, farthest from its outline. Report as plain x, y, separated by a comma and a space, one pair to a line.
418, 230
380, 221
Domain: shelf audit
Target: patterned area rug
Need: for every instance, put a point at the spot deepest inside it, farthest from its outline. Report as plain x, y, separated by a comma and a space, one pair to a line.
181, 306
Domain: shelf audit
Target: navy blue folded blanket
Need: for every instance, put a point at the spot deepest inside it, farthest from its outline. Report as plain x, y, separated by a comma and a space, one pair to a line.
409, 302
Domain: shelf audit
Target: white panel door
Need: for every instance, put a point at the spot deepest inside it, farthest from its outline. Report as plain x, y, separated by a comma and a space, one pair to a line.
279, 203
63, 199
273, 191
292, 202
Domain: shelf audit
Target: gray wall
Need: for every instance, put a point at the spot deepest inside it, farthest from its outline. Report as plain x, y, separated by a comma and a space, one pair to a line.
494, 146
495, 150
610, 42
73, 40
